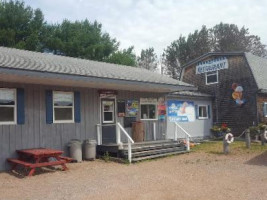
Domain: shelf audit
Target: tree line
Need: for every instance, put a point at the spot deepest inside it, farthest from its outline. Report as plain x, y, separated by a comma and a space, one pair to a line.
23, 27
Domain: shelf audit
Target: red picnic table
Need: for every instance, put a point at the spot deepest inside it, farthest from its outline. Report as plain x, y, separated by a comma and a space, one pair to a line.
34, 158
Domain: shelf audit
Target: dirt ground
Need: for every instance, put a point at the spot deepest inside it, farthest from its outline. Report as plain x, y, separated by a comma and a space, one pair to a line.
197, 175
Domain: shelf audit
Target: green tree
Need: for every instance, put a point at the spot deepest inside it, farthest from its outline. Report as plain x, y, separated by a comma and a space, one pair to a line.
173, 56
123, 57
20, 25
148, 59
220, 38
79, 39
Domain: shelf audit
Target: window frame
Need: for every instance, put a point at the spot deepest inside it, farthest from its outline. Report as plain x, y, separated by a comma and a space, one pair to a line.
156, 111
113, 111
207, 110
63, 121
11, 106
214, 72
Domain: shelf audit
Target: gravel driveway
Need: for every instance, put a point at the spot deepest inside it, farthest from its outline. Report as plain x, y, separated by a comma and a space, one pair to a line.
198, 176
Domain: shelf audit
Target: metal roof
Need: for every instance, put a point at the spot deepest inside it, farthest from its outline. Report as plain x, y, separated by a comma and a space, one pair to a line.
190, 94
258, 66
11, 58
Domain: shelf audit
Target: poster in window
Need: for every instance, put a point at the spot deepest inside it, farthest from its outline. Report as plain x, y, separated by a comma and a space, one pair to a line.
161, 109
121, 108
181, 111
132, 107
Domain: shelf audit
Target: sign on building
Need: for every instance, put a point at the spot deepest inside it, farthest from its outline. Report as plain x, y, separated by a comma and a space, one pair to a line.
212, 65
181, 111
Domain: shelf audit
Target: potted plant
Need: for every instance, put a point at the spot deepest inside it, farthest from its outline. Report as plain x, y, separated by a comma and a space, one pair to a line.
219, 131
216, 131
225, 128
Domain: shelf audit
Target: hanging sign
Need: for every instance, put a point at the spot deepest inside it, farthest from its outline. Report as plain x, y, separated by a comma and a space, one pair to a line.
161, 109
132, 107
148, 101
181, 111
107, 93
212, 65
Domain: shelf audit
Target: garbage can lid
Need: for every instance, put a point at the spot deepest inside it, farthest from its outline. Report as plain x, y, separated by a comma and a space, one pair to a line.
89, 141
75, 141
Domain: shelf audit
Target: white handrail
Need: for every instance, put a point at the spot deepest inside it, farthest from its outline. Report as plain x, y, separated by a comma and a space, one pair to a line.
130, 140
187, 135
124, 131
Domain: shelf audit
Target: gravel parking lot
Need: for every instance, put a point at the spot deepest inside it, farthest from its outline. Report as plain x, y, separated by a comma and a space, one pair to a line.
197, 175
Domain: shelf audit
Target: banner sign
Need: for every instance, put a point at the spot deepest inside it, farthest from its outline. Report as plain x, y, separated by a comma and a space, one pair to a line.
181, 111
212, 65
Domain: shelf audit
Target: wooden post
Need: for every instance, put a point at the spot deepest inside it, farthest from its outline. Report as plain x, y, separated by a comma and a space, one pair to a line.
226, 149
248, 139
263, 141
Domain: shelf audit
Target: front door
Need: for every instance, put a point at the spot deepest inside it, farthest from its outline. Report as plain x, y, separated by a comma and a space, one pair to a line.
108, 121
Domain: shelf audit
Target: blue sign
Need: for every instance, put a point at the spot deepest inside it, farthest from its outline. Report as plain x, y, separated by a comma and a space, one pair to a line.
181, 111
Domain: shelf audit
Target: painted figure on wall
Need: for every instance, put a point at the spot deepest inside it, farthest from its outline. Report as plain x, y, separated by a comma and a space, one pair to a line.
238, 94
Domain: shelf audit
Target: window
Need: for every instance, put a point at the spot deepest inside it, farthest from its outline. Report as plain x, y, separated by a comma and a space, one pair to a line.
8, 106
211, 77
203, 112
148, 111
108, 111
63, 107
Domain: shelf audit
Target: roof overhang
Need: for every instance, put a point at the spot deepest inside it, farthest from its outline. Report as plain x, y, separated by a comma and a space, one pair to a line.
46, 78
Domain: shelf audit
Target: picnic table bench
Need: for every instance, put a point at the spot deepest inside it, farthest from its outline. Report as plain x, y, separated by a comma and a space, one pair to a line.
35, 158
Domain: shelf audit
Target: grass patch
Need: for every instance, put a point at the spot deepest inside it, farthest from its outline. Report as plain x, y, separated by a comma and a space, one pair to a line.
237, 147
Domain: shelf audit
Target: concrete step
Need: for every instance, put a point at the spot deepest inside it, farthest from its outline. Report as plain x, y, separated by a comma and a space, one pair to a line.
158, 156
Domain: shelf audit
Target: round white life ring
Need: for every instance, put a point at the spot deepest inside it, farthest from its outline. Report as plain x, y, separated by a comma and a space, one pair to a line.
265, 135
229, 138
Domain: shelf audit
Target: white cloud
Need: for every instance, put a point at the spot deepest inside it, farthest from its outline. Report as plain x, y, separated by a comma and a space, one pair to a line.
156, 23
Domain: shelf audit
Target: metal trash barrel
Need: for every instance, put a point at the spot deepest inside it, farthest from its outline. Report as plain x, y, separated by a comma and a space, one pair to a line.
89, 149
76, 150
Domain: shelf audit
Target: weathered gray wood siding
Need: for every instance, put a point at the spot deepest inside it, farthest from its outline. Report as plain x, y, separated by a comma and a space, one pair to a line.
148, 124
36, 133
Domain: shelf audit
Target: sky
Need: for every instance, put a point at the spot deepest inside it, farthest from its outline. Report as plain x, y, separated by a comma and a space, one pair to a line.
156, 23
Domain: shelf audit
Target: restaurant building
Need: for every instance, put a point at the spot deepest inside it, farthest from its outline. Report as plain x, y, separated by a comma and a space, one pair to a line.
238, 84
47, 100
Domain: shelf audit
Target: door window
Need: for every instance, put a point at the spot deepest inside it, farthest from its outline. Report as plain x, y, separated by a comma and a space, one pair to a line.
108, 109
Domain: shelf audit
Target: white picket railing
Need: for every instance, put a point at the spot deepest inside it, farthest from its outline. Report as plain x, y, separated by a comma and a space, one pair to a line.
187, 135
130, 140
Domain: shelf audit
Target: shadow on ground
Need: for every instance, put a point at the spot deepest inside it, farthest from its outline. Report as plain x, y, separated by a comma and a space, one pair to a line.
260, 160
22, 173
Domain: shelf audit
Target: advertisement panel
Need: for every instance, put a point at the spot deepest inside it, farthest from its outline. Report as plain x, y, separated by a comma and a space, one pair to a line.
181, 111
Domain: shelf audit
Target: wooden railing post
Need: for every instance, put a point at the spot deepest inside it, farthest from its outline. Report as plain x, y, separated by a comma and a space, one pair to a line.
154, 131
99, 134
118, 135
187, 143
175, 133
129, 151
